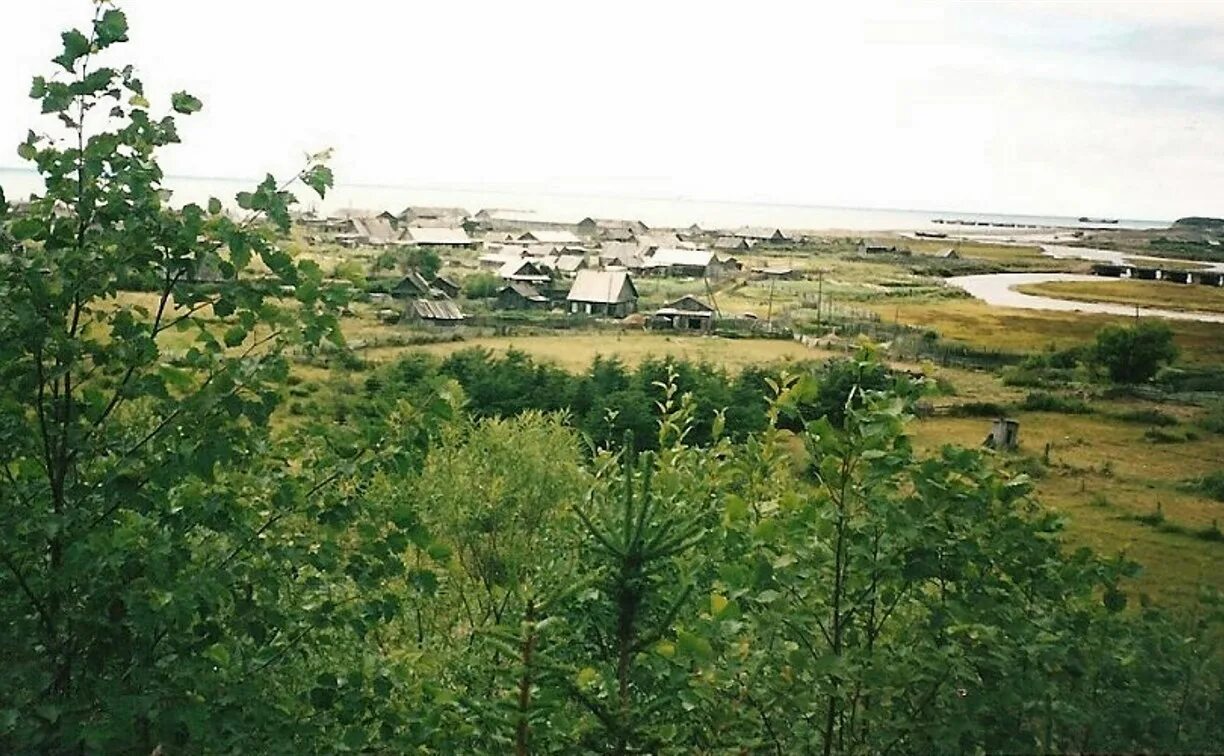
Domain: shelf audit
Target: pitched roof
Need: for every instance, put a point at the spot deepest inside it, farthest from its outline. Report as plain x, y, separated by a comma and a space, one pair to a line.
621, 253
437, 235
413, 282
658, 239
686, 305
524, 290
441, 310
417, 212
551, 236
570, 263
602, 286
522, 269
611, 224
759, 232
731, 242
669, 256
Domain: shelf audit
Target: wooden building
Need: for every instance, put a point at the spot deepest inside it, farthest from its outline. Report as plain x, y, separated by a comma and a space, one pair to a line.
688, 313
519, 295
608, 293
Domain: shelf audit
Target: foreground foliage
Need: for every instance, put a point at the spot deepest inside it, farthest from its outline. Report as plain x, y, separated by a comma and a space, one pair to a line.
655, 562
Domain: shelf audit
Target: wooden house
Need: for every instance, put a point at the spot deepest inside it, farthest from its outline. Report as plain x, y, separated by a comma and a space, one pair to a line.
447, 286
449, 217
524, 270
438, 236
609, 293
672, 261
520, 295
413, 286
733, 243
550, 236
759, 234
611, 229
688, 313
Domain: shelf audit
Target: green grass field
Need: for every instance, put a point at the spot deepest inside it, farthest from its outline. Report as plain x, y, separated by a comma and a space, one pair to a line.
1163, 294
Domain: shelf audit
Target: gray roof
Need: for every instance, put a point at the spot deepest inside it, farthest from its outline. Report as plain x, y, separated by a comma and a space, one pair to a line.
603, 287
551, 236
522, 269
669, 256
442, 310
686, 305
658, 239
437, 235
570, 263
731, 242
758, 232
416, 212
524, 290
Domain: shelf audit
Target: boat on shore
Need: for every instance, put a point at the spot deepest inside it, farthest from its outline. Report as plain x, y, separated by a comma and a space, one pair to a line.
1107, 221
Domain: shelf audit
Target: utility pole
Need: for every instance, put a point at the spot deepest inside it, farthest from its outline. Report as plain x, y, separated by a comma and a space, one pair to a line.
769, 312
819, 295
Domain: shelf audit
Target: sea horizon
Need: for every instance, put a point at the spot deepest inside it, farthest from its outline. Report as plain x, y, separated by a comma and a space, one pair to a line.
569, 207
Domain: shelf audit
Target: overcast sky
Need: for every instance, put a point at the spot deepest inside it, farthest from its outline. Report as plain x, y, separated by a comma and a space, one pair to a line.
1079, 108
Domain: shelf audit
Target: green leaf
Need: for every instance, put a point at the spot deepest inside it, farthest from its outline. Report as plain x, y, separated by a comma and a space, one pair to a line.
138, 101
214, 206
184, 103
319, 178
219, 654
235, 335
111, 28
26, 151
76, 46
38, 87
694, 645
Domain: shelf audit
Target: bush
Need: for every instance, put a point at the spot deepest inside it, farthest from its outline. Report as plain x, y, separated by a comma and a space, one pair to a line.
1159, 436
1213, 419
978, 409
1135, 354
1042, 401
1211, 484
481, 286
1036, 376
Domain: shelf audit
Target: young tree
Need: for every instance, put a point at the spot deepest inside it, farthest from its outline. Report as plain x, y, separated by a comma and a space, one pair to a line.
1134, 354
157, 583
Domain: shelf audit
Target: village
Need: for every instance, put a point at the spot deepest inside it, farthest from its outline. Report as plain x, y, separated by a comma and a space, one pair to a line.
592, 267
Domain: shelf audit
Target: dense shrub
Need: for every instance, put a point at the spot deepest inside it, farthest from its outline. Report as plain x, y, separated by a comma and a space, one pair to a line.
1042, 401
978, 409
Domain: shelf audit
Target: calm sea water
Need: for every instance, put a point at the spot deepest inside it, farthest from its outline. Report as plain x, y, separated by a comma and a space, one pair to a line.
658, 212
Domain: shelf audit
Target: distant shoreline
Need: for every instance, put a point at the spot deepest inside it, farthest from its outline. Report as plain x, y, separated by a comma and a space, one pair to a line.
675, 212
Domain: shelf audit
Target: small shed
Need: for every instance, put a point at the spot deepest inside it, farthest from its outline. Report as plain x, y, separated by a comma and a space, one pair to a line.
1004, 434
520, 295
688, 313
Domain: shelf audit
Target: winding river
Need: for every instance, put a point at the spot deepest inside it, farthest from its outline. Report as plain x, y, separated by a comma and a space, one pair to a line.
999, 289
